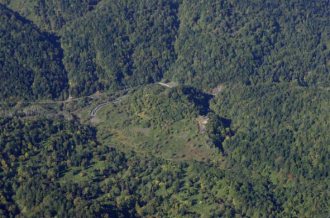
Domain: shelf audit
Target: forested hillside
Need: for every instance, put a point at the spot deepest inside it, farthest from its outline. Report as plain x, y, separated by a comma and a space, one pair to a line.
164, 108
253, 42
120, 44
31, 61
284, 130
57, 168
111, 45
200, 43
51, 15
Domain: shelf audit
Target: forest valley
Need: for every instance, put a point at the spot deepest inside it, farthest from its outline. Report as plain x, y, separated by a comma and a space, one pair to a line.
164, 108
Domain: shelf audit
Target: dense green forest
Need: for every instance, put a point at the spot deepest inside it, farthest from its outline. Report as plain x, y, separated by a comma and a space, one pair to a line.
200, 43
57, 168
120, 44
111, 45
51, 15
285, 130
31, 61
238, 127
253, 42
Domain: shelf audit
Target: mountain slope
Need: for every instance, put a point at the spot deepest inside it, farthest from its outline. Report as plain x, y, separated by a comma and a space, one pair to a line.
120, 44
238, 127
31, 61
253, 42
51, 15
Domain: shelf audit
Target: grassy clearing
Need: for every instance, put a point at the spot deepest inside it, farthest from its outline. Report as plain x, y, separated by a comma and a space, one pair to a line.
177, 141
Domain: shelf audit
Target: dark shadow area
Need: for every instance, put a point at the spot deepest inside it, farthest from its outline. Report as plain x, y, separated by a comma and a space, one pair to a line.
199, 98
219, 129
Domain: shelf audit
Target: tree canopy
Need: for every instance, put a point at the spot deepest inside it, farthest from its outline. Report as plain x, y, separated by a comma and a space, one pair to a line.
164, 108
31, 61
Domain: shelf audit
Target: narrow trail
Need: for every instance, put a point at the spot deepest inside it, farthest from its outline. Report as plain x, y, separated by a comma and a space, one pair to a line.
168, 85
165, 85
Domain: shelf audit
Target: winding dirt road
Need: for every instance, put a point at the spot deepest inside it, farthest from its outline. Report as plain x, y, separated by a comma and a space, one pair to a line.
100, 106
